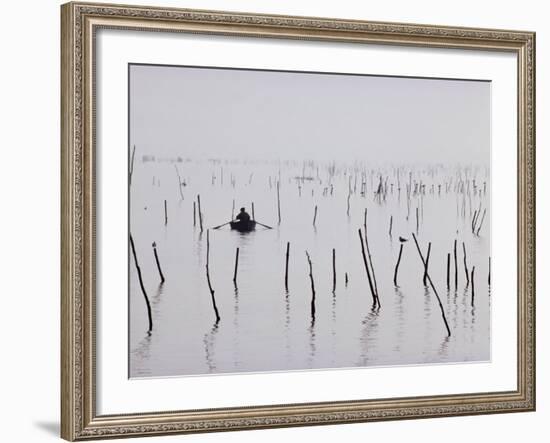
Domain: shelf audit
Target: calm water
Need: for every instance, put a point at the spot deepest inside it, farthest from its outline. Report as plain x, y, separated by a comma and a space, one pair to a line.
265, 328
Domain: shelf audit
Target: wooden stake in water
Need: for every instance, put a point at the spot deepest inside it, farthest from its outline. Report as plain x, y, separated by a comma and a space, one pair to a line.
371, 286
465, 265
433, 288
253, 216
200, 210
370, 259
179, 182
456, 267
286, 265
216, 313
481, 223
425, 278
391, 224
131, 171
473, 288
144, 292
312, 289
397, 265
158, 262
315, 215
333, 270
233, 211
165, 213
346, 279
489, 274
236, 266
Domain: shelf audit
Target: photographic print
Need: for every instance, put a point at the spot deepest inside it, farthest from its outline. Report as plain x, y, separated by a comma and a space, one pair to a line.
285, 220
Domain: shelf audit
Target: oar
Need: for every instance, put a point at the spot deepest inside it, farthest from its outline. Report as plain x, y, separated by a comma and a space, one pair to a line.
218, 227
265, 226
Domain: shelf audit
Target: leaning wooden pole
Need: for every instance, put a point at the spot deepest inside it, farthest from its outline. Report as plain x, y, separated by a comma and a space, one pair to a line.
397, 265
140, 278
158, 262
370, 260
216, 313
433, 288
425, 278
465, 264
315, 215
236, 266
165, 213
371, 286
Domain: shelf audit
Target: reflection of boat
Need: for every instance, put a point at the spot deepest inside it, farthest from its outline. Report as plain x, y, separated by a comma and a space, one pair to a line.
241, 226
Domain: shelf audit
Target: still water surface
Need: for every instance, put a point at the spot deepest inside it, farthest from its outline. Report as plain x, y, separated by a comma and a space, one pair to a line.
263, 327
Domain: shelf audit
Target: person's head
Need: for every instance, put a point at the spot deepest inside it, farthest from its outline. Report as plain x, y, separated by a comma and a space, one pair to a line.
242, 209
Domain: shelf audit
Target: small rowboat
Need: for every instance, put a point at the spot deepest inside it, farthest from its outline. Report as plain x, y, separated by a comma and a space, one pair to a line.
240, 226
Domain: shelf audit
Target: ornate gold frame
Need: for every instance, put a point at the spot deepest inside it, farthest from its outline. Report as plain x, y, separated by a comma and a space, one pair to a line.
79, 21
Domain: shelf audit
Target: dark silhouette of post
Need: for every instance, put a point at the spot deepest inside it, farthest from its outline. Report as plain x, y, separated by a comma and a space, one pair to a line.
216, 313
253, 216
448, 270
312, 289
158, 262
200, 210
286, 264
374, 300
236, 266
140, 278
473, 286
456, 267
131, 171
425, 278
315, 215
481, 223
370, 259
333, 269
465, 264
391, 223
397, 264
489, 274
165, 213
433, 288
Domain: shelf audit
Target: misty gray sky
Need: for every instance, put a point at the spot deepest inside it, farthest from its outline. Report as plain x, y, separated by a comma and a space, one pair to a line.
219, 113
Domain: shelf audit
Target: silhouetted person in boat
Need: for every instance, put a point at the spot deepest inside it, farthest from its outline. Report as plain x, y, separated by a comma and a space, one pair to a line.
243, 217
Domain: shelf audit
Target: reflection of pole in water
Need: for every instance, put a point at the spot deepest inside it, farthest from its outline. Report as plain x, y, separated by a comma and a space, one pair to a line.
208, 342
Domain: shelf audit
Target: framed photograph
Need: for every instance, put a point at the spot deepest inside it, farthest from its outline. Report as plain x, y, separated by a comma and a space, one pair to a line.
282, 221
